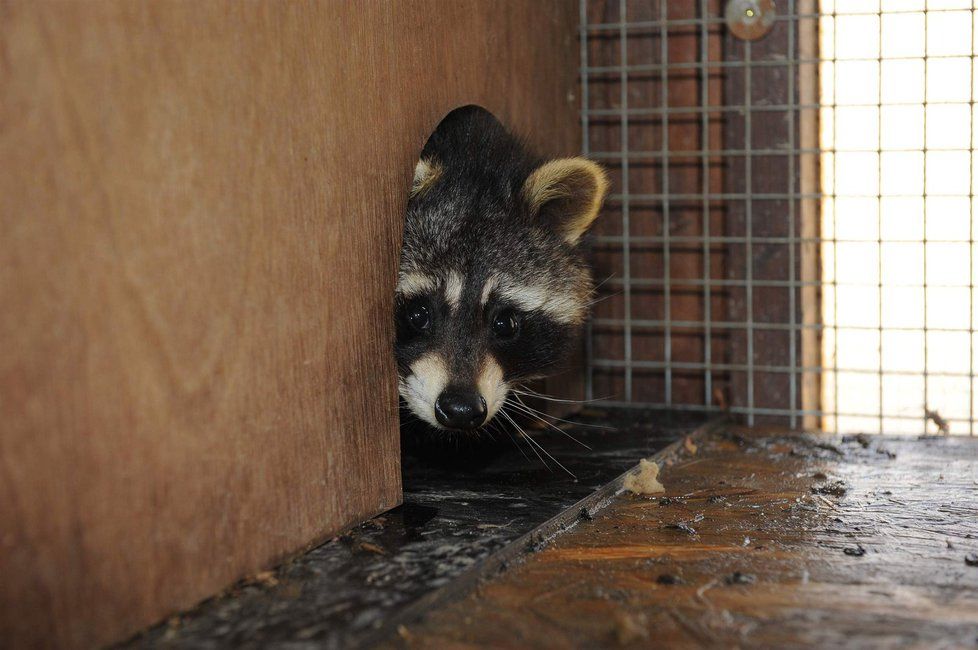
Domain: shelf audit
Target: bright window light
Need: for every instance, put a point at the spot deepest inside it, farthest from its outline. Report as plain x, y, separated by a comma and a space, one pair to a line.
897, 83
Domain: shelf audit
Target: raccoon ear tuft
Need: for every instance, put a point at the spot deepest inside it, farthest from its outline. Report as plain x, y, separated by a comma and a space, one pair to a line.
567, 194
426, 173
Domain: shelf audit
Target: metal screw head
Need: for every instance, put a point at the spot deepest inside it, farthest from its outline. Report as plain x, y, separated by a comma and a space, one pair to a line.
750, 19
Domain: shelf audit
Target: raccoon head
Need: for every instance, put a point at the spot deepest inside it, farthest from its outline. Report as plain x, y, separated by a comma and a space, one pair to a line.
492, 289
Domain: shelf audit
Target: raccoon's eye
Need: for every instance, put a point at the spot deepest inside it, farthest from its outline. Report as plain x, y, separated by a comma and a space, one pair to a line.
417, 315
506, 324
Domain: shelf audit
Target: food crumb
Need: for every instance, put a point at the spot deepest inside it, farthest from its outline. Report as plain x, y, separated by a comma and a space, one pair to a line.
858, 551
683, 526
836, 489
404, 633
266, 579
669, 579
645, 480
738, 578
371, 548
630, 627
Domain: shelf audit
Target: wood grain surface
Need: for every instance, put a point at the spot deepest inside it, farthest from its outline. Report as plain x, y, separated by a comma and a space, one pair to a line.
200, 213
761, 540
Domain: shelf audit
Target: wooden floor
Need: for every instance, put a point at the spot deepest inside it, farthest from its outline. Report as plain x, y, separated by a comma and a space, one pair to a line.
761, 540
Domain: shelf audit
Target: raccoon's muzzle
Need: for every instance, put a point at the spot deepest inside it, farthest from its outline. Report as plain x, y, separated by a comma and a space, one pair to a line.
457, 408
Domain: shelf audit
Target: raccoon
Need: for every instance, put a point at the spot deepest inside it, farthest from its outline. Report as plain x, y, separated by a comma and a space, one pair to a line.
493, 289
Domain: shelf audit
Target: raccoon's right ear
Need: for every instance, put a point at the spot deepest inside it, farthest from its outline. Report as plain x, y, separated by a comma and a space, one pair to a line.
566, 194
426, 173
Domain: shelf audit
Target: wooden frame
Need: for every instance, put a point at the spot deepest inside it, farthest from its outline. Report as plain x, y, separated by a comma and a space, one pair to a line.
201, 214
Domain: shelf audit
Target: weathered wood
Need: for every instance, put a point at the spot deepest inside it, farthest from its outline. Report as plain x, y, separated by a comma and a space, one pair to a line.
200, 211
810, 225
760, 540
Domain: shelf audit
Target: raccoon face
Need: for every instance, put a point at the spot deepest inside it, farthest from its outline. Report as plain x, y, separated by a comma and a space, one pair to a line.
492, 287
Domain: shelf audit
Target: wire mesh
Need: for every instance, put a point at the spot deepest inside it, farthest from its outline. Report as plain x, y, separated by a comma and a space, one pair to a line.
790, 232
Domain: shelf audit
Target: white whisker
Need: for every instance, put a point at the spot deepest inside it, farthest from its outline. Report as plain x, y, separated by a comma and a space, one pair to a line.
554, 417
532, 393
503, 428
537, 445
603, 298
525, 437
601, 284
523, 408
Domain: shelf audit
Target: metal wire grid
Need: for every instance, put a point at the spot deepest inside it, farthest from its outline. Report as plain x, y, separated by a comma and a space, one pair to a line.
729, 381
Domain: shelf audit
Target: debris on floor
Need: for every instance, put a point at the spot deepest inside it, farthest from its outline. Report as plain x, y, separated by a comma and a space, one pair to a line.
847, 547
644, 480
349, 590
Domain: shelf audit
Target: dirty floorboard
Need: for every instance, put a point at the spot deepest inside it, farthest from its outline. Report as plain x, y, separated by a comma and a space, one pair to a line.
760, 540
461, 507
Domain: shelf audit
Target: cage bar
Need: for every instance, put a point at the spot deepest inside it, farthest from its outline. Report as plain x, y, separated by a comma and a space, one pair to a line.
728, 241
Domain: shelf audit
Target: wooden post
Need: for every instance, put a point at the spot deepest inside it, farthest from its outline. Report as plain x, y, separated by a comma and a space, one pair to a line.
811, 298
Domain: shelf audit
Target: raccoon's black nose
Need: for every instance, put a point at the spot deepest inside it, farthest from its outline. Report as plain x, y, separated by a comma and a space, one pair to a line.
460, 409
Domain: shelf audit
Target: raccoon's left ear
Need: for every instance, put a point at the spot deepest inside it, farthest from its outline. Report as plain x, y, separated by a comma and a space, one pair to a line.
426, 173
567, 194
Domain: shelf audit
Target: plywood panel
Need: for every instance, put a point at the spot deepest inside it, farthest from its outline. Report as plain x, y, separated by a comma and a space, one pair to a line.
200, 210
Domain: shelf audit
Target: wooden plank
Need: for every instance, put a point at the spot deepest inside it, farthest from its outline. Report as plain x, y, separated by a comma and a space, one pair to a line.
810, 225
760, 540
200, 213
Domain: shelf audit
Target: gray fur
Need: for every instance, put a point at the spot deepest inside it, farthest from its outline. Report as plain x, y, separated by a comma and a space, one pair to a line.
474, 221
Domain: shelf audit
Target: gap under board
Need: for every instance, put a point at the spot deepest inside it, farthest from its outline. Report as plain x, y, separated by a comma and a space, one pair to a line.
453, 519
